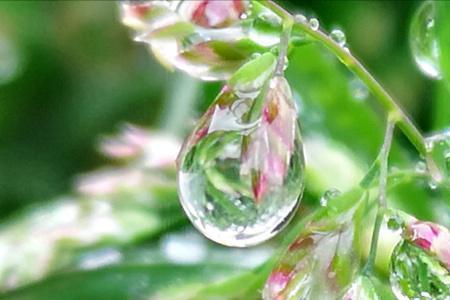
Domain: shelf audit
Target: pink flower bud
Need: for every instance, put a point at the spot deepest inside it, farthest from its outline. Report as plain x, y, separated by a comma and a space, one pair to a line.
431, 237
213, 13
276, 283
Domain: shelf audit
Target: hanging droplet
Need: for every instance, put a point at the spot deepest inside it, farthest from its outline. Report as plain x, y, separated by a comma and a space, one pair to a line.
438, 158
328, 195
314, 24
338, 36
249, 168
420, 264
358, 89
423, 40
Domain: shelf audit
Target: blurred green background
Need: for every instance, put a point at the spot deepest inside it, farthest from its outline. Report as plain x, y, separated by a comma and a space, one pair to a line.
70, 72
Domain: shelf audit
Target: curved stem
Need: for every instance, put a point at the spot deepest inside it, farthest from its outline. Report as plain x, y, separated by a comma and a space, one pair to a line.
345, 56
382, 204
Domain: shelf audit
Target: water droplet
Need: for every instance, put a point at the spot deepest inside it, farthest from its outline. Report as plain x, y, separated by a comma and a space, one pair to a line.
395, 223
438, 159
421, 167
328, 195
255, 55
253, 177
358, 89
244, 16
299, 18
423, 41
407, 261
338, 36
432, 184
314, 24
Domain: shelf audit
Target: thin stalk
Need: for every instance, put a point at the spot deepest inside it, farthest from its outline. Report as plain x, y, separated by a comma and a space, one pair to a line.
284, 45
382, 203
352, 63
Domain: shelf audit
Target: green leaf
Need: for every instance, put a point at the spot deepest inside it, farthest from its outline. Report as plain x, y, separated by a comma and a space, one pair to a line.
121, 282
258, 69
324, 258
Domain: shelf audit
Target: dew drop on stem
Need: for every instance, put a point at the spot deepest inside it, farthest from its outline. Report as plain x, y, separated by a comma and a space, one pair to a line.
328, 195
314, 24
339, 37
299, 18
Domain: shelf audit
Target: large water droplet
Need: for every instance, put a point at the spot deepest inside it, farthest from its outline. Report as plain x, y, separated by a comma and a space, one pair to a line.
338, 36
423, 41
415, 274
241, 175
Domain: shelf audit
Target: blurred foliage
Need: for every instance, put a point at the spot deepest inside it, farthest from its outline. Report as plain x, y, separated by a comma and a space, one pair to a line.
69, 73
79, 75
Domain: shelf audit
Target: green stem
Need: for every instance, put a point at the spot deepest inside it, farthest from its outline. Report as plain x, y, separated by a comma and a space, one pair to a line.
382, 203
284, 45
345, 56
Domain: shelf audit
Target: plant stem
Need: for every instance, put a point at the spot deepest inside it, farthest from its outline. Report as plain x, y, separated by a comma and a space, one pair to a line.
382, 203
345, 56
284, 45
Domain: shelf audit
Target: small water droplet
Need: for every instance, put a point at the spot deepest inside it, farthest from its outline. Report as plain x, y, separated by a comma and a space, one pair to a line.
244, 16
421, 167
438, 159
299, 18
358, 89
314, 24
338, 36
423, 40
328, 195
432, 184
255, 55
395, 223
209, 206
